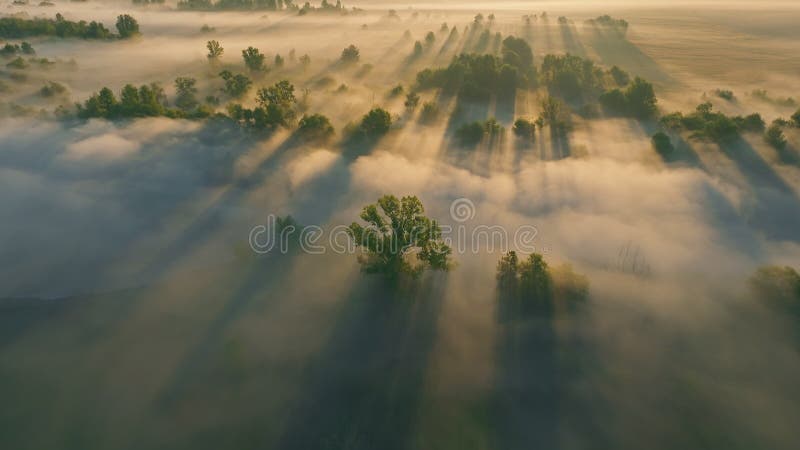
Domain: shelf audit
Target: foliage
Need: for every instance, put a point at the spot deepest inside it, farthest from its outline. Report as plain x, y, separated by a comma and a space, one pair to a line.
472, 134
637, 100
774, 136
396, 91
796, 118
375, 124
412, 100
144, 101
429, 113
570, 76
186, 91
606, 21
275, 108
350, 55
233, 5
315, 127
662, 144
706, 123
535, 288
236, 85
478, 77
724, 94
253, 59
398, 239
621, 77
554, 114
215, 50
127, 26
18, 27
525, 129
9, 50
52, 89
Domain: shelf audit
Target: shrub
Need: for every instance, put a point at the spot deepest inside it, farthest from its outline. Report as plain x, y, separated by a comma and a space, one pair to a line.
525, 129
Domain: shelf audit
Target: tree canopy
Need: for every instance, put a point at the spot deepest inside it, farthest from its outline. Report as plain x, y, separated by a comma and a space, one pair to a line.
398, 239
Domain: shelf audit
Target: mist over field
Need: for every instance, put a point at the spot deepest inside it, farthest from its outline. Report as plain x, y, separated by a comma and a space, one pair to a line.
136, 314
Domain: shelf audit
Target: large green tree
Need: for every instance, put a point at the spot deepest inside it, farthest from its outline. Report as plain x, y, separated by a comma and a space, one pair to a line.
398, 239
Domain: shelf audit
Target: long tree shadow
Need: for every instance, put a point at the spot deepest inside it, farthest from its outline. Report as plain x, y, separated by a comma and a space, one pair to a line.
614, 49
528, 385
776, 211
365, 386
572, 43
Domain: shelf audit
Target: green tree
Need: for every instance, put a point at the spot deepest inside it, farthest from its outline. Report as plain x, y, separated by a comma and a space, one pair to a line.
774, 136
350, 55
215, 50
236, 85
127, 26
253, 59
796, 118
316, 128
412, 100
376, 123
525, 129
186, 91
398, 239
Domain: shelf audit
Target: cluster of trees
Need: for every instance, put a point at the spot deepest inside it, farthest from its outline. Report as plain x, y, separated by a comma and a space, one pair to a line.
571, 77
473, 133
275, 108
637, 100
476, 76
325, 7
763, 95
53, 89
17, 27
236, 85
397, 239
607, 21
148, 100
530, 287
706, 123
220, 5
10, 50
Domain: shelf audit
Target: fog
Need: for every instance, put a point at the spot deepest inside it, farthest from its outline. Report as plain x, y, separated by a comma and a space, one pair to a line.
134, 314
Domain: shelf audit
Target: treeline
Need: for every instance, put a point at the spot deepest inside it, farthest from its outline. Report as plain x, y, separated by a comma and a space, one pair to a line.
479, 76
276, 107
17, 27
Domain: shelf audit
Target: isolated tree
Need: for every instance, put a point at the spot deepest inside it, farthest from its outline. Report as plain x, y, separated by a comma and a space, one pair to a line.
375, 123
412, 100
350, 55
214, 49
253, 59
796, 118
417, 49
398, 239
278, 61
186, 91
430, 38
127, 26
